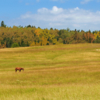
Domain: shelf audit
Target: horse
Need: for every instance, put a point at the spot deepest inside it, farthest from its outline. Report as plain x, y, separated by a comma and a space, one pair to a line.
19, 68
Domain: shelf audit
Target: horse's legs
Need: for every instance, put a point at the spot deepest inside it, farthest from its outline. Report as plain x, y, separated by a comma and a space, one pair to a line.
19, 70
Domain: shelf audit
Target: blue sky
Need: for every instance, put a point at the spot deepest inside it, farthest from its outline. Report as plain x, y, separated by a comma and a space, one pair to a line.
59, 14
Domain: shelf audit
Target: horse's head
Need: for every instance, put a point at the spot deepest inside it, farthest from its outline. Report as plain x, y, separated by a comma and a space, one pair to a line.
22, 69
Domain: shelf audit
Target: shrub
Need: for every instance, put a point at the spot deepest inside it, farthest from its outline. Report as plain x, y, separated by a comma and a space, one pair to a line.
15, 45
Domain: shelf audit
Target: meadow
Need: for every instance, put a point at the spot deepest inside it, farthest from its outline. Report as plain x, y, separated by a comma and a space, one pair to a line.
55, 72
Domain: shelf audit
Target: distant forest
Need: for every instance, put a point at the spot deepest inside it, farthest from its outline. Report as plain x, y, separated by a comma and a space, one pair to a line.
19, 36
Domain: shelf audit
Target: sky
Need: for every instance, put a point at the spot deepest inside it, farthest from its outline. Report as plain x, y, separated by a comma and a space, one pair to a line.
59, 14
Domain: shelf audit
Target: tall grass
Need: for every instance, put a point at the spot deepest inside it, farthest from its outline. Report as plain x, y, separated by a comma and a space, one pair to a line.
58, 72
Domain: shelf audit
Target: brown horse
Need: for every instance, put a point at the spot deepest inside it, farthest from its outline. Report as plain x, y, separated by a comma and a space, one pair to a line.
18, 68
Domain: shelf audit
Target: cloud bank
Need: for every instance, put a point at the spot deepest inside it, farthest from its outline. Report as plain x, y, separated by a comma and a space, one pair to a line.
60, 18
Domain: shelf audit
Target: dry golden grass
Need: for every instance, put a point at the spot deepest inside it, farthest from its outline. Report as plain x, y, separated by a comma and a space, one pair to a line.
56, 72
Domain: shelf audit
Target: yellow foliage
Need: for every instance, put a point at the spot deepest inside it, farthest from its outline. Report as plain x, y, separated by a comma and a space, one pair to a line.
54, 41
32, 44
96, 34
44, 41
38, 31
37, 44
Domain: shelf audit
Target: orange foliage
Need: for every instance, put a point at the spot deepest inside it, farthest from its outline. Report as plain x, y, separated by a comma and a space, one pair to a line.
37, 32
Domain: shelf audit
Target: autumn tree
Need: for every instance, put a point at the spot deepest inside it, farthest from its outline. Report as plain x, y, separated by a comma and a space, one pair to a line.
89, 37
97, 37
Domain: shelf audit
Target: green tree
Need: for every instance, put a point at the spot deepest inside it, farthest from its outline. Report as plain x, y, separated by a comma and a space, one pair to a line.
2, 24
15, 45
97, 40
28, 26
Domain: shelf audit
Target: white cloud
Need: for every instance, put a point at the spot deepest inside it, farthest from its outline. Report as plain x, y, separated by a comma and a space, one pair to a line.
85, 1
60, 18
56, 10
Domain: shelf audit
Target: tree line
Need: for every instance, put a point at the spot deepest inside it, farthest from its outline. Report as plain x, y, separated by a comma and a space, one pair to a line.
19, 36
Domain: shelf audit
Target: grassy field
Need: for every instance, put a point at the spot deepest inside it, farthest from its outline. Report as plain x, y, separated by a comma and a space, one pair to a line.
56, 72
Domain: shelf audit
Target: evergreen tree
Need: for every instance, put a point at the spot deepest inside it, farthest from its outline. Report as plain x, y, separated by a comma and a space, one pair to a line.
2, 24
